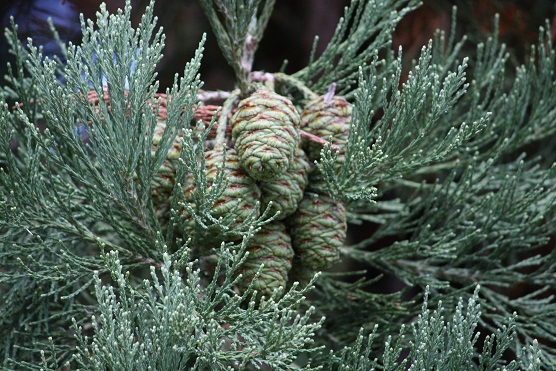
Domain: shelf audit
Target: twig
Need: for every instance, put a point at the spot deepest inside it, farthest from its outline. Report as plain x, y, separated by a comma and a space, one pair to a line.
264, 77
219, 95
298, 84
223, 119
318, 140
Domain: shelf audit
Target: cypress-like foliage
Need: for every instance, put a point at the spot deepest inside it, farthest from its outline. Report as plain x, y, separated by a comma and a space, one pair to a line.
141, 244
238, 201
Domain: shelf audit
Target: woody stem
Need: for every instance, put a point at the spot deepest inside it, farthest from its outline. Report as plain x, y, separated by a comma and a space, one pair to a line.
223, 119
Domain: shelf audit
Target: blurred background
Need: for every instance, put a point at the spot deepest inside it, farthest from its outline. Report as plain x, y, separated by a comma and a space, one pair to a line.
289, 34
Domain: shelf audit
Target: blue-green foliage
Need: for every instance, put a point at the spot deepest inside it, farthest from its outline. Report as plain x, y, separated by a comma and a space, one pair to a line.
62, 197
170, 323
439, 343
451, 169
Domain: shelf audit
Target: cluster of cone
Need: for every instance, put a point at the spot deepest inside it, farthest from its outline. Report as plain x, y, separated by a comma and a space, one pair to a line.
270, 168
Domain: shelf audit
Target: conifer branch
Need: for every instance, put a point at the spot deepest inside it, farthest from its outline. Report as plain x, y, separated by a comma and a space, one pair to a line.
449, 171
238, 27
158, 326
363, 31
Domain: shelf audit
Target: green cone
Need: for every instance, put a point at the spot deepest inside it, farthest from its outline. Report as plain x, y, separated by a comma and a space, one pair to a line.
286, 191
270, 247
316, 183
238, 200
329, 120
299, 273
265, 132
161, 192
318, 230
175, 149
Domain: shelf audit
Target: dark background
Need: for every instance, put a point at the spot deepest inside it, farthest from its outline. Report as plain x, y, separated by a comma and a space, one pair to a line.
289, 34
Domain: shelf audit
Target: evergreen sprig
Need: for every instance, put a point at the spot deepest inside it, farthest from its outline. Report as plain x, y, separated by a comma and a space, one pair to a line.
364, 30
439, 344
411, 133
192, 173
503, 201
239, 27
63, 198
451, 169
159, 325
496, 215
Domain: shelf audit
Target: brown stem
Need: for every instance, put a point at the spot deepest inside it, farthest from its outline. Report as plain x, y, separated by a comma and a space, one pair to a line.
218, 95
318, 140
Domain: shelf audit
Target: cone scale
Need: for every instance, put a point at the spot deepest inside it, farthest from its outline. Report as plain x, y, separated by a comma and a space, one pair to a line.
270, 247
318, 230
265, 133
286, 191
328, 119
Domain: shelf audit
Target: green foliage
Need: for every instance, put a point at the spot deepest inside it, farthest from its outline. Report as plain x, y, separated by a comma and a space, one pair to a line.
158, 325
62, 197
364, 30
439, 344
450, 168
238, 26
